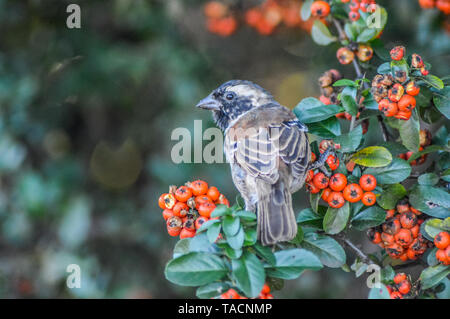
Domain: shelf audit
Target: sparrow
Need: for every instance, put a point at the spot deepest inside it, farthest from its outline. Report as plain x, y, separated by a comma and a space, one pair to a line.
268, 151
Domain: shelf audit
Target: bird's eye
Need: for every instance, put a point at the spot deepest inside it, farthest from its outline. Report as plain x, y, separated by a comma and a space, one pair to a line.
229, 96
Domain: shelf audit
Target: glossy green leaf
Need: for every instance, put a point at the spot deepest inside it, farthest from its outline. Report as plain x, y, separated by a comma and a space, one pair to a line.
370, 217
290, 263
249, 274
336, 219
372, 156
328, 250
397, 171
195, 269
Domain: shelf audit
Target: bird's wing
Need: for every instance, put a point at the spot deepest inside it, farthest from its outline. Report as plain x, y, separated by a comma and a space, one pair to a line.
266, 138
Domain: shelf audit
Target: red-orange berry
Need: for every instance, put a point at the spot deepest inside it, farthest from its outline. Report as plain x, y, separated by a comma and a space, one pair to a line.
333, 162
187, 233
199, 187
397, 53
206, 209
325, 194
392, 226
320, 181
442, 240
403, 237
404, 287
338, 182
183, 193
336, 200
320, 9
407, 102
345, 55
398, 278
368, 182
408, 220
353, 193
412, 88
213, 193
369, 199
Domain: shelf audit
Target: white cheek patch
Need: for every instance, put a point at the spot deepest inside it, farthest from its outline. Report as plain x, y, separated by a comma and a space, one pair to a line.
255, 96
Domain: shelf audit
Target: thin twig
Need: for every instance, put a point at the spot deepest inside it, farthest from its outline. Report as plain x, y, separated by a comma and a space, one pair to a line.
353, 247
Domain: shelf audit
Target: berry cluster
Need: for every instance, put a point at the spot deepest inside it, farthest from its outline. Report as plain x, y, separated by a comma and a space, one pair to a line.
219, 18
401, 287
187, 207
441, 5
223, 19
394, 96
346, 55
328, 92
425, 140
337, 190
232, 294
400, 234
266, 17
357, 5
442, 243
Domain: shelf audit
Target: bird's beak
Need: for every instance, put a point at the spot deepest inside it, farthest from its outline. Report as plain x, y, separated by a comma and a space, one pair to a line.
209, 103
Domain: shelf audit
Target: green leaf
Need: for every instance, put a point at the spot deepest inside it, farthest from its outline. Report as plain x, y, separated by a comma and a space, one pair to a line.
320, 33
237, 240
212, 290
372, 156
349, 142
433, 81
249, 274
311, 110
434, 226
314, 201
431, 276
370, 217
397, 171
329, 128
391, 195
291, 263
328, 250
345, 82
428, 179
231, 225
384, 68
387, 274
250, 237
299, 237
410, 132
230, 252
432, 201
350, 31
195, 269
336, 219
349, 105
265, 253
442, 101
221, 210
201, 243
308, 217
246, 215
181, 247
213, 232
366, 35
379, 293
208, 224
306, 9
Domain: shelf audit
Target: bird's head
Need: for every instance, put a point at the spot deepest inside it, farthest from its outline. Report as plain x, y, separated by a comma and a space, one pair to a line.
232, 99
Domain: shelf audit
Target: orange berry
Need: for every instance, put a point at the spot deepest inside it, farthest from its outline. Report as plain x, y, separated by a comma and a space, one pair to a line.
265, 289
353, 193
403, 237
442, 240
336, 200
326, 193
183, 193
407, 102
213, 193
338, 182
187, 233
368, 182
397, 53
398, 278
320, 181
215, 9
206, 209
167, 213
369, 199
320, 9
404, 287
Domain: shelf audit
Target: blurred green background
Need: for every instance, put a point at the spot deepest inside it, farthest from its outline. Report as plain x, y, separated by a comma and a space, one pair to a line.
85, 134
